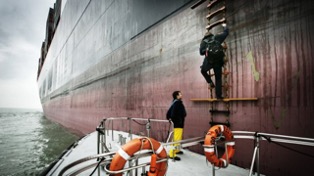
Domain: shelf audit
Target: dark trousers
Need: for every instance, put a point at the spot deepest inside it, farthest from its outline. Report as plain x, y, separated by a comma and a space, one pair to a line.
218, 72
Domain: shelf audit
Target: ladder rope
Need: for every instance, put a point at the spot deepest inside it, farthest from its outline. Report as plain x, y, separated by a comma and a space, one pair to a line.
221, 10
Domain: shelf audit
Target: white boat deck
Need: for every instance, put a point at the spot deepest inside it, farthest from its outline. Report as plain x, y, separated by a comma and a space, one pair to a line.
191, 163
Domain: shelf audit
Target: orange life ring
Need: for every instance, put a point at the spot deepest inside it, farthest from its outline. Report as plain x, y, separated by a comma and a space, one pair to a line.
210, 138
128, 150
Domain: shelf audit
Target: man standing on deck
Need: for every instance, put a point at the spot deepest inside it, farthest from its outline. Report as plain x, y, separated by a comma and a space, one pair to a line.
177, 114
213, 62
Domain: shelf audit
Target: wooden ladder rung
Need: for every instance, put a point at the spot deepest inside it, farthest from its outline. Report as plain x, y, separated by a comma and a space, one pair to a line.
225, 99
212, 3
210, 15
220, 111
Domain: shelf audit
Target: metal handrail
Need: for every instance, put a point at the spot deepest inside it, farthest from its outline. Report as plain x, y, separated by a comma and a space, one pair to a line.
186, 141
103, 130
148, 120
111, 119
133, 167
143, 153
251, 135
256, 136
84, 160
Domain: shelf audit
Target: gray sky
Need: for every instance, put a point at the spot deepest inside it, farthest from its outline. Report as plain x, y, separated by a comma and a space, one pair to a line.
22, 31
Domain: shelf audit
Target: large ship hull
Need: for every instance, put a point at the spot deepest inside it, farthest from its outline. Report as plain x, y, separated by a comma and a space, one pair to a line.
125, 58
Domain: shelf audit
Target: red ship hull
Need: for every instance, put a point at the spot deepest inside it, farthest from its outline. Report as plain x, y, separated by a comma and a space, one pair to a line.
270, 57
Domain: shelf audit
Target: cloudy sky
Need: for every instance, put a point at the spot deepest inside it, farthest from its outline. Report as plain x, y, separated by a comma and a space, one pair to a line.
22, 31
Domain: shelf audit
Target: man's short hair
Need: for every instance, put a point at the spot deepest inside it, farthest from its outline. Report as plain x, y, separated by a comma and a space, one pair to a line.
175, 94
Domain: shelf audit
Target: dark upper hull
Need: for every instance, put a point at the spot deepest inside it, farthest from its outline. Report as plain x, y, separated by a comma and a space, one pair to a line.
125, 58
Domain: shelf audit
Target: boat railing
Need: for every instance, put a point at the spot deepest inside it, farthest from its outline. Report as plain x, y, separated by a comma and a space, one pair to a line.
103, 159
86, 159
274, 138
135, 167
257, 137
106, 126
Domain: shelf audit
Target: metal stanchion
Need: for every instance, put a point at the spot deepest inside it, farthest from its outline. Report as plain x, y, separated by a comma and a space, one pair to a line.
148, 128
255, 155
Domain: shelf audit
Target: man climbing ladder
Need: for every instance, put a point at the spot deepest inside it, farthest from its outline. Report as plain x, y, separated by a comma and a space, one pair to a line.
214, 58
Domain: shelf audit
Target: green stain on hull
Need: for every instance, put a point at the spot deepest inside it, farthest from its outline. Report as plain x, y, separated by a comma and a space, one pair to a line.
250, 58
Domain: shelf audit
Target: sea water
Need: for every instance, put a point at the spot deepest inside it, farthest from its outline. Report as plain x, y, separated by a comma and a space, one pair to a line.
29, 142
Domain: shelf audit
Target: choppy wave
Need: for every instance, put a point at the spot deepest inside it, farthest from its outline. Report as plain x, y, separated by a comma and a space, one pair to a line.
29, 142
